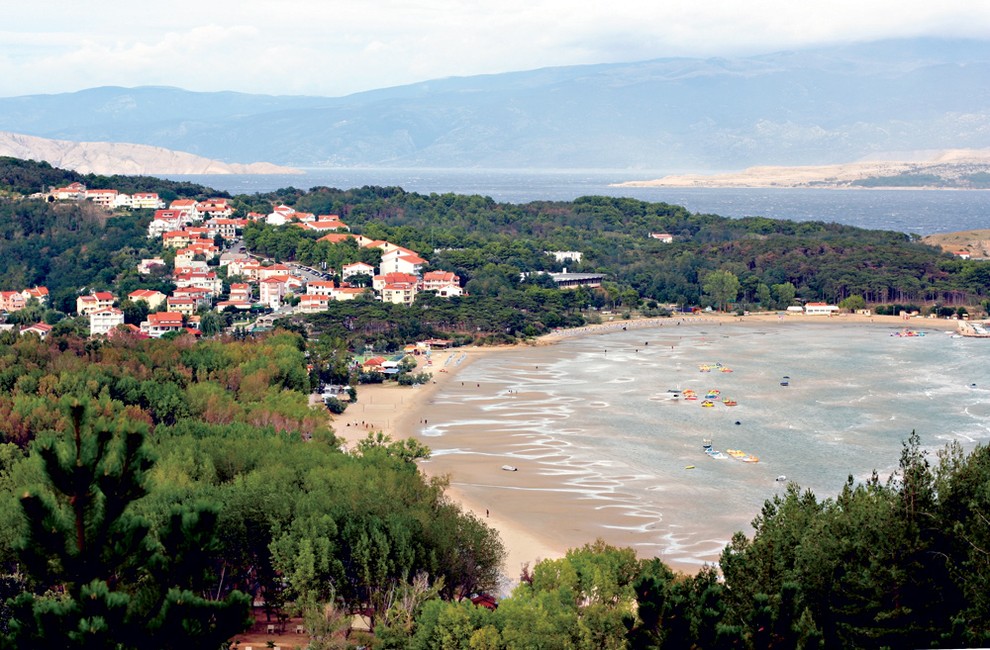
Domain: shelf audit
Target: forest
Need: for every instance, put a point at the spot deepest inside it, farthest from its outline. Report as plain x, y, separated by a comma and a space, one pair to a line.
136, 470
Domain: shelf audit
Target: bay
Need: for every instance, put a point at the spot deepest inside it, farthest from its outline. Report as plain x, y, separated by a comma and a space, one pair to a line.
919, 212
603, 448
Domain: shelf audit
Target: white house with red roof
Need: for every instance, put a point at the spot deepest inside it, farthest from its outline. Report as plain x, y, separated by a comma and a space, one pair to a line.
226, 227
247, 268
202, 297
71, 192
214, 208
38, 293
325, 223
401, 260
312, 303
280, 215
820, 309
106, 198
42, 330
85, 305
203, 280
184, 257
320, 288
146, 201
266, 272
240, 292
444, 283
184, 306
357, 268
399, 293
167, 221
105, 320
380, 281
151, 297
176, 239
185, 205
160, 323
271, 291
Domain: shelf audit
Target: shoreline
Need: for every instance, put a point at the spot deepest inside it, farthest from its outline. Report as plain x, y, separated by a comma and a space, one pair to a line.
477, 483
404, 411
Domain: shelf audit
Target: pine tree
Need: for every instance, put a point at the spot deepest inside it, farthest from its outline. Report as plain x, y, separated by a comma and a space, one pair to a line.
100, 575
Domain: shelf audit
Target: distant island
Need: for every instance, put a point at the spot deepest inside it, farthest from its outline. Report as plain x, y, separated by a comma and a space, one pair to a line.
949, 169
123, 158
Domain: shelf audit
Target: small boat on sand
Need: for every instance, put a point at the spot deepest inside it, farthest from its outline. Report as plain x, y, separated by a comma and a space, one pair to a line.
510, 468
781, 478
712, 452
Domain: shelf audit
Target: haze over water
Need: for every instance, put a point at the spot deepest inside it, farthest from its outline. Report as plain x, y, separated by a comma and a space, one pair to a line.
604, 426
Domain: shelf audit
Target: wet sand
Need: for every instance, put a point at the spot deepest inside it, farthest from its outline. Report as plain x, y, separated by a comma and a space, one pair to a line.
537, 513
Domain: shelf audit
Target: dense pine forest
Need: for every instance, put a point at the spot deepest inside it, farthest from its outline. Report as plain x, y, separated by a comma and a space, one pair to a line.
152, 489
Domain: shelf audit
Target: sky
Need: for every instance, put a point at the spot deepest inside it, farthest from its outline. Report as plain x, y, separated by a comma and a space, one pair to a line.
334, 48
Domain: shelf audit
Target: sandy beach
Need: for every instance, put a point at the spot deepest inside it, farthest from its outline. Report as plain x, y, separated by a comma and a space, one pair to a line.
536, 513
405, 411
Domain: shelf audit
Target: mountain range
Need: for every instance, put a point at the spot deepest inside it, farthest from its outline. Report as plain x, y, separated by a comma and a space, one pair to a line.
809, 107
111, 158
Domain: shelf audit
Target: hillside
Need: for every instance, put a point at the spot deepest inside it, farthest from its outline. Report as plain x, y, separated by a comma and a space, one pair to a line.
807, 107
122, 158
974, 242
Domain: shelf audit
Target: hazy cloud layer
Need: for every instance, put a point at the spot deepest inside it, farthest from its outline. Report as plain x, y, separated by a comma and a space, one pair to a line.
329, 47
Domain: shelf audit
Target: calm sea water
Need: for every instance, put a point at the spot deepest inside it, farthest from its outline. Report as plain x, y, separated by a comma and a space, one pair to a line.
601, 403
911, 211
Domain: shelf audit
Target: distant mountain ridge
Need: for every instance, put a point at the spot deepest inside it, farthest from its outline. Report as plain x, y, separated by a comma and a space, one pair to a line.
813, 107
122, 158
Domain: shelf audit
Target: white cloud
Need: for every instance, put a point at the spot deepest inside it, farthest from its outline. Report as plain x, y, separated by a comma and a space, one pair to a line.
333, 47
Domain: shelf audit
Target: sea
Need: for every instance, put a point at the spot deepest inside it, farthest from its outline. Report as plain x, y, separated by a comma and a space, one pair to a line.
818, 403
919, 212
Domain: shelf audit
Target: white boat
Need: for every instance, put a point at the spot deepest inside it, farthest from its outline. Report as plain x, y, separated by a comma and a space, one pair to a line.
781, 478
510, 468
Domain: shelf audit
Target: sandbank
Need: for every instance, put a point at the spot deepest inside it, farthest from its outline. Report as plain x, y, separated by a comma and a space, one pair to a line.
535, 514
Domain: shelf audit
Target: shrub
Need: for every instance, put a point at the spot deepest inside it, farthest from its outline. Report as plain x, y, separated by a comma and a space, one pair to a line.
335, 405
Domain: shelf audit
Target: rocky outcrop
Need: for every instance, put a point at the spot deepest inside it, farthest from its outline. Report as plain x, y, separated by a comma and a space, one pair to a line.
110, 158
